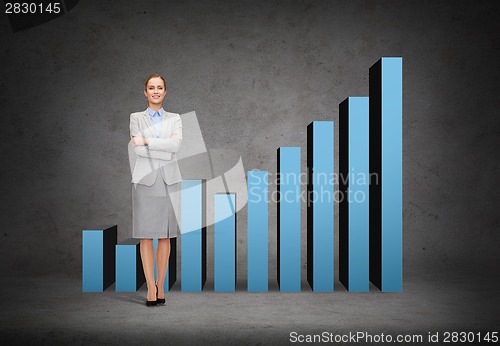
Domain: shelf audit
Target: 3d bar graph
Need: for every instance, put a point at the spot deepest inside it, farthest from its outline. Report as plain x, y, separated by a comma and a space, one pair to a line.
129, 272
289, 204
320, 205
386, 174
193, 237
354, 190
225, 242
369, 198
98, 258
257, 182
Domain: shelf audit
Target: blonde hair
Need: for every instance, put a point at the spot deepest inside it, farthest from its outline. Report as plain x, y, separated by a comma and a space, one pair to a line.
154, 75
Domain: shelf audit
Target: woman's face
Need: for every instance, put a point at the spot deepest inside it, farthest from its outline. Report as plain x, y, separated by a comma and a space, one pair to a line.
155, 91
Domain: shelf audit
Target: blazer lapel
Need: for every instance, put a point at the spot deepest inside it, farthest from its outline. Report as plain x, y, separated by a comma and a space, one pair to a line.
164, 124
149, 124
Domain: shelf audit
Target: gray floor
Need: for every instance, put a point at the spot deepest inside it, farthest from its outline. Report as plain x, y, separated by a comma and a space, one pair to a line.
48, 309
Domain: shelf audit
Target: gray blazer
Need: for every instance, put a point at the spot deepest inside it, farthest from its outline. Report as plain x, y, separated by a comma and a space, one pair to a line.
160, 153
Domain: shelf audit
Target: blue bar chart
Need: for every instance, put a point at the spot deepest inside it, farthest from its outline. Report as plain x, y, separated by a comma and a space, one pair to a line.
225, 242
320, 204
369, 198
258, 231
289, 204
354, 187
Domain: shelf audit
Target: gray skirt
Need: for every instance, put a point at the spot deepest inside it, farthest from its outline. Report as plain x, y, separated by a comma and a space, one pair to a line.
153, 209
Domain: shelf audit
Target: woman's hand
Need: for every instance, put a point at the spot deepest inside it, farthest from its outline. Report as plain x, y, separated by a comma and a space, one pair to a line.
137, 140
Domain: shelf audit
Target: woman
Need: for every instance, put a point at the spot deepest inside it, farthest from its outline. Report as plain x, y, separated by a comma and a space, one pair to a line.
156, 136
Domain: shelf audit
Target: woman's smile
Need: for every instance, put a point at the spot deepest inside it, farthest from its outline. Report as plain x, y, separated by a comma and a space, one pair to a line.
155, 91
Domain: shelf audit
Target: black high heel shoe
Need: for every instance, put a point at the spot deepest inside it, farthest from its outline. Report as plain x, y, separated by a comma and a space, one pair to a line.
152, 302
159, 300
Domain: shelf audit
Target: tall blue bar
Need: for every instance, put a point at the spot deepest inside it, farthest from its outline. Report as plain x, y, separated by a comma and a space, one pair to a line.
289, 219
129, 272
257, 231
193, 244
320, 204
386, 223
354, 190
98, 258
225, 242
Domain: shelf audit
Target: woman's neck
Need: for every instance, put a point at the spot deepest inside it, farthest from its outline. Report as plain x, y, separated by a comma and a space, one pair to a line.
155, 107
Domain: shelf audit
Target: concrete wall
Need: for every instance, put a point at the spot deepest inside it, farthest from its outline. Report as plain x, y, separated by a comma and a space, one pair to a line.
257, 73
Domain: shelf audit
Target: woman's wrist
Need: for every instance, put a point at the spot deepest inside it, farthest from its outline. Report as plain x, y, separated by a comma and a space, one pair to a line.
145, 141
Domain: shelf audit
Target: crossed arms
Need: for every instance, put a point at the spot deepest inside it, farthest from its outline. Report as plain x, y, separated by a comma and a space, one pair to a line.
155, 148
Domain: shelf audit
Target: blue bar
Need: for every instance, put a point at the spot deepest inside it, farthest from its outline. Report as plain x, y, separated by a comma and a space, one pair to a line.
192, 223
392, 172
257, 231
129, 271
225, 242
321, 198
289, 219
357, 171
92, 271
386, 223
98, 258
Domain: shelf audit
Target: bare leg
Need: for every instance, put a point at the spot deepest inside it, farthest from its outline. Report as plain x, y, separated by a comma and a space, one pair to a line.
162, 256
148, 257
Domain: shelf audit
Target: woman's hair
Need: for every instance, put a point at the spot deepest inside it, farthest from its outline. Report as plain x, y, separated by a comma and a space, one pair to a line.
154, 75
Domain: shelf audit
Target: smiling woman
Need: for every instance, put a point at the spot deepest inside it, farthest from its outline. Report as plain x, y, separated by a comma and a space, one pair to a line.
156, 136
155, 90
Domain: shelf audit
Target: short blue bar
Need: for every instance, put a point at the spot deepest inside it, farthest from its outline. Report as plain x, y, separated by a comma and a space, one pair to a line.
289, 219
128, 265
358, 198
191, 248
98, 258
257, 231
323, 205
392, 171
92, 273
225, 242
